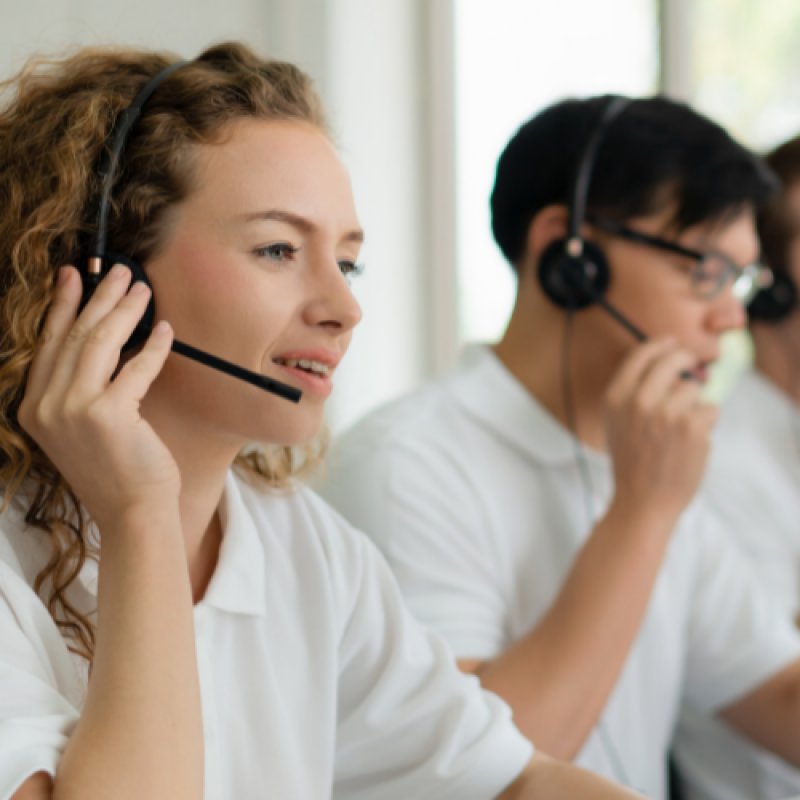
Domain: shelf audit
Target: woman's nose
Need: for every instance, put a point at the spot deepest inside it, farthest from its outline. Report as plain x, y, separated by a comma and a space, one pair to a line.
334, 305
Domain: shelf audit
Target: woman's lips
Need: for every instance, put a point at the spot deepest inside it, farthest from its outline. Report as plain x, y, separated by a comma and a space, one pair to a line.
321, 385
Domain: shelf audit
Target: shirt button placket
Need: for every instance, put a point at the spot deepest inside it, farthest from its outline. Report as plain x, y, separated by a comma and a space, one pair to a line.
213, 788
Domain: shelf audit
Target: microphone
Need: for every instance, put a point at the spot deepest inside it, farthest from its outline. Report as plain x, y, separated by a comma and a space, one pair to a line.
261, 381
599, 299
631, 328
91, 280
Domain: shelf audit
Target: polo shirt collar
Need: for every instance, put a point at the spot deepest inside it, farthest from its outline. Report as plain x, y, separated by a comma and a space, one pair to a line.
238, 584
485, 388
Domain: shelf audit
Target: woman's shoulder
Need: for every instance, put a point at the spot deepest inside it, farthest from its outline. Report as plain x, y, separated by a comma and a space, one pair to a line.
299, 511
300, 521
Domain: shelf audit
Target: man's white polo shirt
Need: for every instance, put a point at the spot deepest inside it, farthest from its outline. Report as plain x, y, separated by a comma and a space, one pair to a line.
753, 485
472, 491
316, 682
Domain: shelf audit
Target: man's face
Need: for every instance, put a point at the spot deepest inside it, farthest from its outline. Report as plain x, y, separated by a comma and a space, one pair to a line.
792, 209
654, 289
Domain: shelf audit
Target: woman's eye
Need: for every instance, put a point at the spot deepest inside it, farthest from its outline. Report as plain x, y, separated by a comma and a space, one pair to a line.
350, 269
277, 252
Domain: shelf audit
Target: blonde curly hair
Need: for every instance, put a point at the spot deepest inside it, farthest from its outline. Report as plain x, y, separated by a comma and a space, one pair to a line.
55, 121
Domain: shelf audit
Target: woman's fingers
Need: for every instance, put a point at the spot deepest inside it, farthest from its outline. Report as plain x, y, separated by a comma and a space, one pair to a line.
136, 377
59, 321
106, 297
99, 356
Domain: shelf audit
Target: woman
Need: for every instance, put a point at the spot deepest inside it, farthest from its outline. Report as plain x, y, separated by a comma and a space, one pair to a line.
225, 640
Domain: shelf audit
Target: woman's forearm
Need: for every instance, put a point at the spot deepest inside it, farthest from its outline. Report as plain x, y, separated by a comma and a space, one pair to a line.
141, 733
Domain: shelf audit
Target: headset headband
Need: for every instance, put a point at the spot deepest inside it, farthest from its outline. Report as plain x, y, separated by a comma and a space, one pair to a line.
109, 163
577, 211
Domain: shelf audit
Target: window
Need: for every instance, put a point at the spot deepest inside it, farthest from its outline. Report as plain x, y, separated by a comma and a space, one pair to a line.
745, 65
513, 58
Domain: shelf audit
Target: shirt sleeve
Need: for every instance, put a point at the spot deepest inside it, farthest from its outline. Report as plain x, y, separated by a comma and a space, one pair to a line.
741, 502
421, 509
409, 723
36, 676
739, 637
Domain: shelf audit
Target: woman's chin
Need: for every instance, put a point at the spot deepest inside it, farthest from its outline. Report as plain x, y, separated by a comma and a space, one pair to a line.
295, 433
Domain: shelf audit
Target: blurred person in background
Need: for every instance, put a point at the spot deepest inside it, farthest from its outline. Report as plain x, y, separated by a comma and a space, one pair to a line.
753, 484
538, 504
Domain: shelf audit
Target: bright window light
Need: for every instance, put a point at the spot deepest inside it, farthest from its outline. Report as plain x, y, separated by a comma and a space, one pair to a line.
513, 58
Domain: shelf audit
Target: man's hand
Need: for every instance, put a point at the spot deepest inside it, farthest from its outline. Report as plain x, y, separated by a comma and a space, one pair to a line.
659, 431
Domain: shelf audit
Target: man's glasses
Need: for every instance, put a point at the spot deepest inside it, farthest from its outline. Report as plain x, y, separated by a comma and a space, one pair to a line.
711, 273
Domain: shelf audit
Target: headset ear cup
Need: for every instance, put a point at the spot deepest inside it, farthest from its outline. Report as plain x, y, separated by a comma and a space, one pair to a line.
777, 301
142, 330
91, 282
573, 282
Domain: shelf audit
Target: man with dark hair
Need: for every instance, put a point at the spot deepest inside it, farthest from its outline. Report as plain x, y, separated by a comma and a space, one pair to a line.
538, 503
752, 484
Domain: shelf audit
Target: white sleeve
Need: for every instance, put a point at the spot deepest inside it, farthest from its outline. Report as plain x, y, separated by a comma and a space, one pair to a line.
36, 675
410, 724
739, 500
419, 507
738, 635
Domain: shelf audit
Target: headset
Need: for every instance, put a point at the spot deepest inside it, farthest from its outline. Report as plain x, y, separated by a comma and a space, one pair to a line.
774, 303
98, 260
574, 273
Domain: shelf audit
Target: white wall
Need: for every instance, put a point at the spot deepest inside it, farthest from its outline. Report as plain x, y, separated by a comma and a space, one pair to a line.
182, 26
369, 58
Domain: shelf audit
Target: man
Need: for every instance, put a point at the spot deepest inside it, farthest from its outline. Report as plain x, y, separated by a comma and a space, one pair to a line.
753, 483
537, 505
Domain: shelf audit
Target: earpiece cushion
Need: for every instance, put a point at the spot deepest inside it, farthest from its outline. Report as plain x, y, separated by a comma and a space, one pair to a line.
90, 284
573, 282
777, 301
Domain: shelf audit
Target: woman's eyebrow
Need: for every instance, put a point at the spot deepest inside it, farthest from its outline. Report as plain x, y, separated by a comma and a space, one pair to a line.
301, 223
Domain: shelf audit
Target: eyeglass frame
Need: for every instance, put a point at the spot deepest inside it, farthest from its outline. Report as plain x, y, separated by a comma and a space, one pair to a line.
759, 276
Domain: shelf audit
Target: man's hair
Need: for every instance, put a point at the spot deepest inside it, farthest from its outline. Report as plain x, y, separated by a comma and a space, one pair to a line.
657, 153
776, 226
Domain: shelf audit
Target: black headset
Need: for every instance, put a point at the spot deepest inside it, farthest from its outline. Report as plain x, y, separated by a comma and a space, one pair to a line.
574, 273
98, 260
774, 303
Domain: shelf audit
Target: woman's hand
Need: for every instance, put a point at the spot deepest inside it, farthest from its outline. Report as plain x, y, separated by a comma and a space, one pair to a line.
89, 425
659, 430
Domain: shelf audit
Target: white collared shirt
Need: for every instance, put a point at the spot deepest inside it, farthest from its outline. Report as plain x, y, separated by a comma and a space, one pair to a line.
471, 489
753, 485
316, 682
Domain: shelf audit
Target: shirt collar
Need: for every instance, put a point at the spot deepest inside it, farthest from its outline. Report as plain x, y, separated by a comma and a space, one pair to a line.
238, 584
486, 389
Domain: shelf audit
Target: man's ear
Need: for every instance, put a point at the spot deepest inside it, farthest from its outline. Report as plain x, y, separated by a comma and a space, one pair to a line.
546, 227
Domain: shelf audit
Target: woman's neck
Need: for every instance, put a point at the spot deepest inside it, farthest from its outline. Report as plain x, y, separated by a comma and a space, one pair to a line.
203, 461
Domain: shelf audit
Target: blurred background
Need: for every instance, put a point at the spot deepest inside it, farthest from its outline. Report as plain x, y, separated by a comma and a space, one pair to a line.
423, 95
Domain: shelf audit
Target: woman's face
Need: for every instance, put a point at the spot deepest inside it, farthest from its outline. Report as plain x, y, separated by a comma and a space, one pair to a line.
253, 272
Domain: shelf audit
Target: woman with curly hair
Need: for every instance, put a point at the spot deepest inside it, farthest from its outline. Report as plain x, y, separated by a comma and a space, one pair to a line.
179, 618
